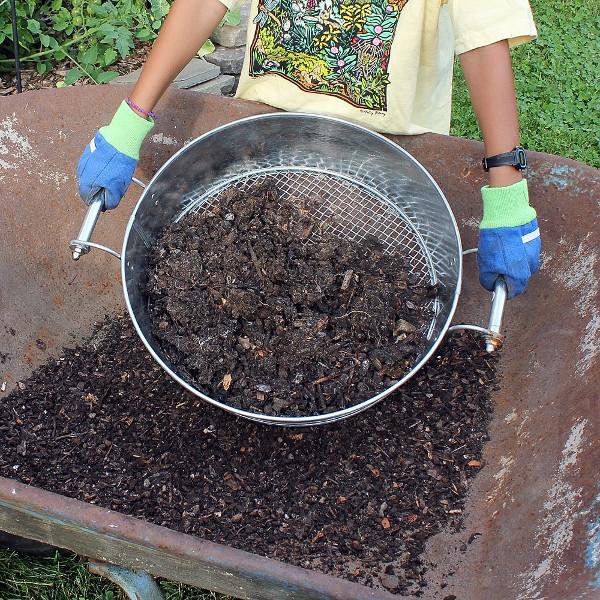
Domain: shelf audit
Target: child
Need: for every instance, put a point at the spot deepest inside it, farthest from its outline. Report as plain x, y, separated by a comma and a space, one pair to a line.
385, 64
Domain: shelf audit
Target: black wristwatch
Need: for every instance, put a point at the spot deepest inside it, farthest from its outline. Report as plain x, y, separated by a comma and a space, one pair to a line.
516, 158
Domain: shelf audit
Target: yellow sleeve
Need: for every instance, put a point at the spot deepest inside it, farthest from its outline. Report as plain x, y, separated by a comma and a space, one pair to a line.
480, 23
229, 4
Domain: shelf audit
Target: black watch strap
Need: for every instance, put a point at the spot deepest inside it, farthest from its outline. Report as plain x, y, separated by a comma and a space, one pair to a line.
516, 158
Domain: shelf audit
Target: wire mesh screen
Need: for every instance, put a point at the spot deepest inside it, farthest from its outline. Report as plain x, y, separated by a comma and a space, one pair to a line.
345, 208
356, 182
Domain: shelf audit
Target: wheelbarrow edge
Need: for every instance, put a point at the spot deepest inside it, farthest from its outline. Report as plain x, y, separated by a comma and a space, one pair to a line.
109, 536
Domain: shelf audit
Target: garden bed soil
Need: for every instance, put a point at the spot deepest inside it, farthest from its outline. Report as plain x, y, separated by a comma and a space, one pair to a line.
263, 307
357, 499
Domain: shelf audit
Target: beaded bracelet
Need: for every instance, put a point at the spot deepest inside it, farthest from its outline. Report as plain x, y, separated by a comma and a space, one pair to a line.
147, 113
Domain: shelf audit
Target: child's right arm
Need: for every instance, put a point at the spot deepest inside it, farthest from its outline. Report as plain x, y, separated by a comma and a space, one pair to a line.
109, 161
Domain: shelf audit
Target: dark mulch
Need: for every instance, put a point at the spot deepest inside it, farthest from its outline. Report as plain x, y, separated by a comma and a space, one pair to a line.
356, 499
261, 305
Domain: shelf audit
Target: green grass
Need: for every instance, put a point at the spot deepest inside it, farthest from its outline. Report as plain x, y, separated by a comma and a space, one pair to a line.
67, 578
558, 83
558, 86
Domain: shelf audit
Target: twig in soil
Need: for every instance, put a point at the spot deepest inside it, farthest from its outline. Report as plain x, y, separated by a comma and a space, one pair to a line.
382, 451
347, 279
212, 337
69, 435
327, 378
108, 452
257, 266
352, 312
65, 456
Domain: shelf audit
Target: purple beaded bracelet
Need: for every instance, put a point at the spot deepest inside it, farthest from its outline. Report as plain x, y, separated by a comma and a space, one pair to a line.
133, 105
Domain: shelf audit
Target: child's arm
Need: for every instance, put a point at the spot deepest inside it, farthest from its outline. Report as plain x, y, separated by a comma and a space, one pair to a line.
509, 238
109, 161
489, 75
188, 25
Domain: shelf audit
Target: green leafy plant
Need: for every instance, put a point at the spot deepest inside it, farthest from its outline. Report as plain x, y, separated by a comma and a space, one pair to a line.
207, 48
232, 17
90, 35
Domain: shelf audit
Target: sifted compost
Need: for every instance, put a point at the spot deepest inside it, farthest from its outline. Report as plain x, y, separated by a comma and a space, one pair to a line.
263, 307
358, 499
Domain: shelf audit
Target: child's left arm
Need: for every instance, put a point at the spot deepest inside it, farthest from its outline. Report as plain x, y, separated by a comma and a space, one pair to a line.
509, 242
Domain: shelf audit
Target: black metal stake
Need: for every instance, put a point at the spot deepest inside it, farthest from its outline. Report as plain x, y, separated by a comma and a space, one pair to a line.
13, 10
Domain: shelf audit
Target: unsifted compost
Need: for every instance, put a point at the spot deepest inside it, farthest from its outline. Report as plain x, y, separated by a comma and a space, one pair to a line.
358, 499
258, 303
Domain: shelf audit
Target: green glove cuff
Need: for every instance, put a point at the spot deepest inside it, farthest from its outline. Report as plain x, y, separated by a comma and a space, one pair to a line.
127, 131
506, 206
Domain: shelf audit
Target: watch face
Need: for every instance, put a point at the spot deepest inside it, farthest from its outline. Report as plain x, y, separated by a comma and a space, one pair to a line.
521, 158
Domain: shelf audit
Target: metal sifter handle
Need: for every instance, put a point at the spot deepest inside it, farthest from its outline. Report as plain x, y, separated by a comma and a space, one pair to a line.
498, 301
493, 338
80, 245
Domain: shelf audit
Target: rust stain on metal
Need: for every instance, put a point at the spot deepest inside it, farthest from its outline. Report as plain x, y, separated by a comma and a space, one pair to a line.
58, 300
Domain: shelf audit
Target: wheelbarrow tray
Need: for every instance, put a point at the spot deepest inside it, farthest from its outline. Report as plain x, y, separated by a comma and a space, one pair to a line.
535, 505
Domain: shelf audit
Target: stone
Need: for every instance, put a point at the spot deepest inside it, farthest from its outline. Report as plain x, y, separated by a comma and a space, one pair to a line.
223, 84
230, 36
403, 326
390, 582
195, 72
229, 60
127, 79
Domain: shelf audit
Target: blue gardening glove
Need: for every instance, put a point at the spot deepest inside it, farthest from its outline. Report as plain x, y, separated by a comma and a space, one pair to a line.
109, 160
509, 238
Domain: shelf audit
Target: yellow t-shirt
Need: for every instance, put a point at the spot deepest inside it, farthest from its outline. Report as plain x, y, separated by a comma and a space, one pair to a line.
385, 64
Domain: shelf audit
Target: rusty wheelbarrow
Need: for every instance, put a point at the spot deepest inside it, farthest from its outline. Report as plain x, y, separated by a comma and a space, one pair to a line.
535, 504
